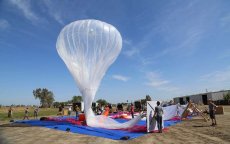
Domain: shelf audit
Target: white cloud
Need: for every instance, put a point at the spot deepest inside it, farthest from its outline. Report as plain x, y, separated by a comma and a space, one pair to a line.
181, 28
170, 89
4, 24
53, 11
186, 46
120, 77
217, 77
213, 81
225, 21
224, 54
156, 81
127, 42
131, 52
25, 7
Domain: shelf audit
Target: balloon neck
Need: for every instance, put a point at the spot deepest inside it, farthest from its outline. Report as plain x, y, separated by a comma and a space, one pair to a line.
88, 91
88, 97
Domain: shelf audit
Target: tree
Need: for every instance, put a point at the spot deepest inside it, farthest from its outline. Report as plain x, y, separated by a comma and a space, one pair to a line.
227, 96
56, 104
148, 98
45, 96
76, 99
102, 102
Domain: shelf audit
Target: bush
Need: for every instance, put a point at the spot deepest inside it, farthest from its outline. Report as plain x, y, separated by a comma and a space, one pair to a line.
227, 96
222, 102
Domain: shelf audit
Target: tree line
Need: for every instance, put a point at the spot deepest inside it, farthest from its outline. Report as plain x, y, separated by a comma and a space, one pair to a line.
47, 100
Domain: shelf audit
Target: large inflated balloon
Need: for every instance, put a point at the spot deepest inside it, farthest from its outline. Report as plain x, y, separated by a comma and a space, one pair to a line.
88, 48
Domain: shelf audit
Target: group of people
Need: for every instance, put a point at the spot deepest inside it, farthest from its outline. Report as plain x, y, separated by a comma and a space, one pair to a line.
100, 110
76, 109
158, 112
26, 113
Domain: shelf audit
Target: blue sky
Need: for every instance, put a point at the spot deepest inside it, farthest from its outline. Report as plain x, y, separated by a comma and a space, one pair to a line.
170, 48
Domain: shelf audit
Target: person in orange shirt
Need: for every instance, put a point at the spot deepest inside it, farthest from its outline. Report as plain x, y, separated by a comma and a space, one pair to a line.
107, 109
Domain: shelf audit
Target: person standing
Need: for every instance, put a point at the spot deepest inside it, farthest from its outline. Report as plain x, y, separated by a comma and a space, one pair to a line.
10, 112
132, 110
69, 111
99, 109
35, 112
158, 113
212, 109
77, 110
107, 110
60, 110
26, 113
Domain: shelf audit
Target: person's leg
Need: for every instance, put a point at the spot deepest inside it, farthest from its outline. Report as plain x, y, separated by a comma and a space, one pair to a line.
132, 115
77, 116
160, 122
214, 116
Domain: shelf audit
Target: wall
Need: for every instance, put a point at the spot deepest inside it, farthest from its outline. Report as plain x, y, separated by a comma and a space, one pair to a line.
218, 95
197, 98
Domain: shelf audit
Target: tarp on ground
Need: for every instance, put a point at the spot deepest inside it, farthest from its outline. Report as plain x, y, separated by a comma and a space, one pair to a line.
137, 131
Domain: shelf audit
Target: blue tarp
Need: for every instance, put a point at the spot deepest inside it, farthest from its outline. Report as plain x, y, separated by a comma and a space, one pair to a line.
99, 132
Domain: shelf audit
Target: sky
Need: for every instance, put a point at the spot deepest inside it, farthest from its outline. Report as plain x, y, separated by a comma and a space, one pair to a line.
170, 48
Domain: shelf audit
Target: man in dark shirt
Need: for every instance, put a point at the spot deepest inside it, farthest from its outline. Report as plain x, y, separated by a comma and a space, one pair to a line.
132, 110
212, 109
158, 112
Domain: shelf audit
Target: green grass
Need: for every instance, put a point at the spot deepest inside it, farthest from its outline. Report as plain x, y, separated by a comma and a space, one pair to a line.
18, 113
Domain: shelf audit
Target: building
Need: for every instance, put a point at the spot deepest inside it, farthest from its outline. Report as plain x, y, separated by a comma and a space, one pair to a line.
201, 98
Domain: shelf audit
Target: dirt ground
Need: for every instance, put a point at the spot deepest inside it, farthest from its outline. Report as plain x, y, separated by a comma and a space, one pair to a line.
189, 131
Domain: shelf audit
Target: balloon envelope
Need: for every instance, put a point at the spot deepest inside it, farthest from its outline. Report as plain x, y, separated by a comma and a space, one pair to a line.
88, 48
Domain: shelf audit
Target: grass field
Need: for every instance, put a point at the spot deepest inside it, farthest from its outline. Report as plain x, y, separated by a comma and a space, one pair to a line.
188, 131
18, 112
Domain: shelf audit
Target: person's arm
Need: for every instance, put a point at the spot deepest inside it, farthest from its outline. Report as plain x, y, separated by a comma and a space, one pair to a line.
214, 105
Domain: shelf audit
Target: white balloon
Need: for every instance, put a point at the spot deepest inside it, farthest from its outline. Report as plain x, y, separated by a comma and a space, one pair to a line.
88, 48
